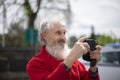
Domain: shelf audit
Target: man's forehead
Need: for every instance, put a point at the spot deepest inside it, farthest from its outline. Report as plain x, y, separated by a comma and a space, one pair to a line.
58, 26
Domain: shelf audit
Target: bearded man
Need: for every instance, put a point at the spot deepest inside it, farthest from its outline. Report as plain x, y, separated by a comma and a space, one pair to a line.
53, 62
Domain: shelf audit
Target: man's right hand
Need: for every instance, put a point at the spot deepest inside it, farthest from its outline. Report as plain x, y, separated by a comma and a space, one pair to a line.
77, 51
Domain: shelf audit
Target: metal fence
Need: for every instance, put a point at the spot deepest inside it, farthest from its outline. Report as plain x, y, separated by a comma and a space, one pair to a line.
13, 62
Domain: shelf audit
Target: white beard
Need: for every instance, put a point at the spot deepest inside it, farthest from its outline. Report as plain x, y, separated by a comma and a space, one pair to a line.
58, 52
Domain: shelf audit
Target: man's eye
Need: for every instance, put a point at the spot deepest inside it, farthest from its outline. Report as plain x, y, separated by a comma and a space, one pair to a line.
64, 32
58, 32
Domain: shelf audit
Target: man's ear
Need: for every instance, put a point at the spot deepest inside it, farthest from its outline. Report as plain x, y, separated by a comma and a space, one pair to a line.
44, 36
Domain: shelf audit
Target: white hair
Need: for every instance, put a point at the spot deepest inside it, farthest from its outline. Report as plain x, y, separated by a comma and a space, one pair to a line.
45, 25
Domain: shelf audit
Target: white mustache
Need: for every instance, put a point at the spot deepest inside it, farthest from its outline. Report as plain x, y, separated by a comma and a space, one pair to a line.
61, 41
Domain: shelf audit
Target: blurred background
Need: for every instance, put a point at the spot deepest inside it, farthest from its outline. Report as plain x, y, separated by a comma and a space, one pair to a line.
19, 28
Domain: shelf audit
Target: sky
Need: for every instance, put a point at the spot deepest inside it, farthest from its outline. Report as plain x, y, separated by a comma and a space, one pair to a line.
104, 15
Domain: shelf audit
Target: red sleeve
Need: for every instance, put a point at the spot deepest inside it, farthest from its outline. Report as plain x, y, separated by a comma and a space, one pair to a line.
85, 75
41, 71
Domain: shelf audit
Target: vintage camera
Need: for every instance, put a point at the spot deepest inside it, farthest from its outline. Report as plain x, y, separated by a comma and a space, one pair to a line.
92, 43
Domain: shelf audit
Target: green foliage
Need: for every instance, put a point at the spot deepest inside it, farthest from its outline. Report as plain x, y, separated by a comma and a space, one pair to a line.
105, 39
15, 36
92, 36
72, 41
102, 39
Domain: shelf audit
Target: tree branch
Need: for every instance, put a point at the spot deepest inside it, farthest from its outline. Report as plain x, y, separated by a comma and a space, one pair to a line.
28, 8
38, 5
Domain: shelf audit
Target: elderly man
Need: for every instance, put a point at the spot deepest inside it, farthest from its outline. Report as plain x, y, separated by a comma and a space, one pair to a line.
53, 62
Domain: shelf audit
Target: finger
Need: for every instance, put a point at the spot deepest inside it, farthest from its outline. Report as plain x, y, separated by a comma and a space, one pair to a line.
92, 56
86, 46
98, 47
83, 49
95, 51
83, 39
96, 55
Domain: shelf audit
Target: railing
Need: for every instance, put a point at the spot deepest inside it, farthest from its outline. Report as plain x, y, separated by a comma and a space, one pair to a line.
13, 62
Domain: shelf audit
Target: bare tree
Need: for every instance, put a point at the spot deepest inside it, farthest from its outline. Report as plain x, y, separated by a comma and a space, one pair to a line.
26, 11
57, 7
30, 13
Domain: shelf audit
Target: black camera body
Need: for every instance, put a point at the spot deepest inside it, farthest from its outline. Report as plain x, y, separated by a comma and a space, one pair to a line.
92, 43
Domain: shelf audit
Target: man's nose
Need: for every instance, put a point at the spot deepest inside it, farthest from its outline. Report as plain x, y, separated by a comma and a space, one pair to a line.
63, 36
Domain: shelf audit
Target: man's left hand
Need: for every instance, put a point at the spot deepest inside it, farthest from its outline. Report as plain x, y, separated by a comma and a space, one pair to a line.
96, 54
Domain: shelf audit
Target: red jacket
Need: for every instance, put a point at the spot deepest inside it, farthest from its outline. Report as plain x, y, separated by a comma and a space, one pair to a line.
44, 67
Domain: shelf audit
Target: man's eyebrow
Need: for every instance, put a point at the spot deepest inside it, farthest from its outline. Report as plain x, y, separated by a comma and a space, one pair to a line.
57, 31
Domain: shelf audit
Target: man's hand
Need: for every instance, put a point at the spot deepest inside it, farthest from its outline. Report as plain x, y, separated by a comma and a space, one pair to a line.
77, 51
96, 54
